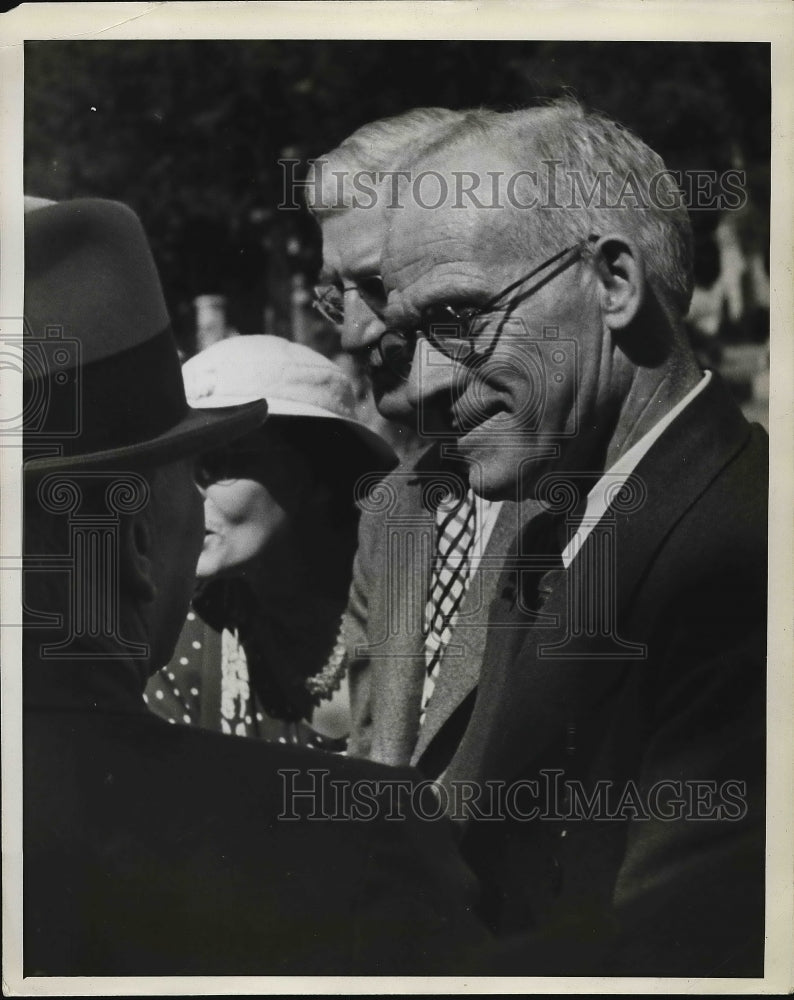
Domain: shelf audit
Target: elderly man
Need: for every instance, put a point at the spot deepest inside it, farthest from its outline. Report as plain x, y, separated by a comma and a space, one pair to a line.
429, 557
610, 769
164, 850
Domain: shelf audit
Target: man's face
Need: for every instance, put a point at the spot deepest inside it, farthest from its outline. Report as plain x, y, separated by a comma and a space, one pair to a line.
352, 243
532, 404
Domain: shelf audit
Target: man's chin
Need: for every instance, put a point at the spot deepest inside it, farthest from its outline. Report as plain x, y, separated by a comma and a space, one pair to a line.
490, 477
505, 469
396, 412
391, 403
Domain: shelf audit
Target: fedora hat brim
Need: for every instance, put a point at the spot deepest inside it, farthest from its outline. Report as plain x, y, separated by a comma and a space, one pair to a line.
198, 431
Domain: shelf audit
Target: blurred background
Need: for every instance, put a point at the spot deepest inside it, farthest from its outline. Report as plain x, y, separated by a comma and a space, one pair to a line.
190, 134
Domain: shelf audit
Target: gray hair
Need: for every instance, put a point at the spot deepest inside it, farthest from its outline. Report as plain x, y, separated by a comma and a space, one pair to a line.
598, 177
378, 146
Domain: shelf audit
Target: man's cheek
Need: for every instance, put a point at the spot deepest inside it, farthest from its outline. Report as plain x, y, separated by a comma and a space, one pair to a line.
391, 401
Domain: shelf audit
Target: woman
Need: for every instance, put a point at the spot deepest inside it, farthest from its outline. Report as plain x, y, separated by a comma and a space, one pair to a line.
261, 653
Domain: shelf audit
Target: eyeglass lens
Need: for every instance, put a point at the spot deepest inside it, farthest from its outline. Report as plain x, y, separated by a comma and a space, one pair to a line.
329, 302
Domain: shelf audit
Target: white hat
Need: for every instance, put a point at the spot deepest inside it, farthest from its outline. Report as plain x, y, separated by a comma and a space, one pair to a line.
295, 380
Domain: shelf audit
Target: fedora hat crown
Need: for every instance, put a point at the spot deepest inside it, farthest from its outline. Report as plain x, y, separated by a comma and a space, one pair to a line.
102, 382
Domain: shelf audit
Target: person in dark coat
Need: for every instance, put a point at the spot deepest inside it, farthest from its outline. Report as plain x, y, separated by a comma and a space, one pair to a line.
152, 849
608, 767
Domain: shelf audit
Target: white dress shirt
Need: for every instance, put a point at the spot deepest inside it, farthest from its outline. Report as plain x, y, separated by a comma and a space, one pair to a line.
608, 485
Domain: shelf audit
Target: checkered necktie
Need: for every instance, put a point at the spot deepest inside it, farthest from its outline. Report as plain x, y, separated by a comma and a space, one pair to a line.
455, 533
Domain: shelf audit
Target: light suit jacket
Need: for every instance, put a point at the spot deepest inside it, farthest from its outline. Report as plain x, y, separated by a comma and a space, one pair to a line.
391, 575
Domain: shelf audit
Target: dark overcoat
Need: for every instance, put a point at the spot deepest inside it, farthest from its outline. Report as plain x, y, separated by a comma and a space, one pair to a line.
620, 702
157, 849
634, 699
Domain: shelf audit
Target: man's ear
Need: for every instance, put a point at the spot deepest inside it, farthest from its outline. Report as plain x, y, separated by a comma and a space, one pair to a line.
136, 548
621, 276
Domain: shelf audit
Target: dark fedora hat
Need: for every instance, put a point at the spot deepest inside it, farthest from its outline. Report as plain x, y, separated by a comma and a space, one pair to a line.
102, 385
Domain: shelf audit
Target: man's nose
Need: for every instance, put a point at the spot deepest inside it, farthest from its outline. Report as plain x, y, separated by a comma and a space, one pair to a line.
361, 327
432, 374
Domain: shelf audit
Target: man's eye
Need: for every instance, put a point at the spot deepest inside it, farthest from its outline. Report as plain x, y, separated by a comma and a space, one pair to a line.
444, 322
330, 294
444, 330
329, 302
372, 288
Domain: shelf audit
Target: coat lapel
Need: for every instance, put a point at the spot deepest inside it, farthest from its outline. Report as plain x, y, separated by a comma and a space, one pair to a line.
398, 663
525, 701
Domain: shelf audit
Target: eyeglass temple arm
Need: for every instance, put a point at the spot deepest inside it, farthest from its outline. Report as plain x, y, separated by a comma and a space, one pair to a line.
577, 248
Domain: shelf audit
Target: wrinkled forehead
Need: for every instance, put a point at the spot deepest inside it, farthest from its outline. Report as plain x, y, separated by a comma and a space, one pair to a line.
452, 210
353, 241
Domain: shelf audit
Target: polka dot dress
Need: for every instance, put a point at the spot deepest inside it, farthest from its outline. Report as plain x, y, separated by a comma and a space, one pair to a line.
207, 684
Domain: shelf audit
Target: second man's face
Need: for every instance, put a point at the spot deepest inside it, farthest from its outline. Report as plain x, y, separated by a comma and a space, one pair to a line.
413, 396
352, 243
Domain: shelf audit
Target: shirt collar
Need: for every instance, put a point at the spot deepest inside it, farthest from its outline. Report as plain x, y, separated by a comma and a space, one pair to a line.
631, 459
597, 498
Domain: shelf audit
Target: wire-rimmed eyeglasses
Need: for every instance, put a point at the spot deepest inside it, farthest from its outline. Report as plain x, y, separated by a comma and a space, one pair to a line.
329, 300
454, 332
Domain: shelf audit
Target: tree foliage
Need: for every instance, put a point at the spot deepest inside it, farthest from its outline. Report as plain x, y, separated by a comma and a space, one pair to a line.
190, 133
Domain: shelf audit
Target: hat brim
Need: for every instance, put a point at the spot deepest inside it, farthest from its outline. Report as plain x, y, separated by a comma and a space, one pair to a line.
198, 431
381, 450
383, 455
